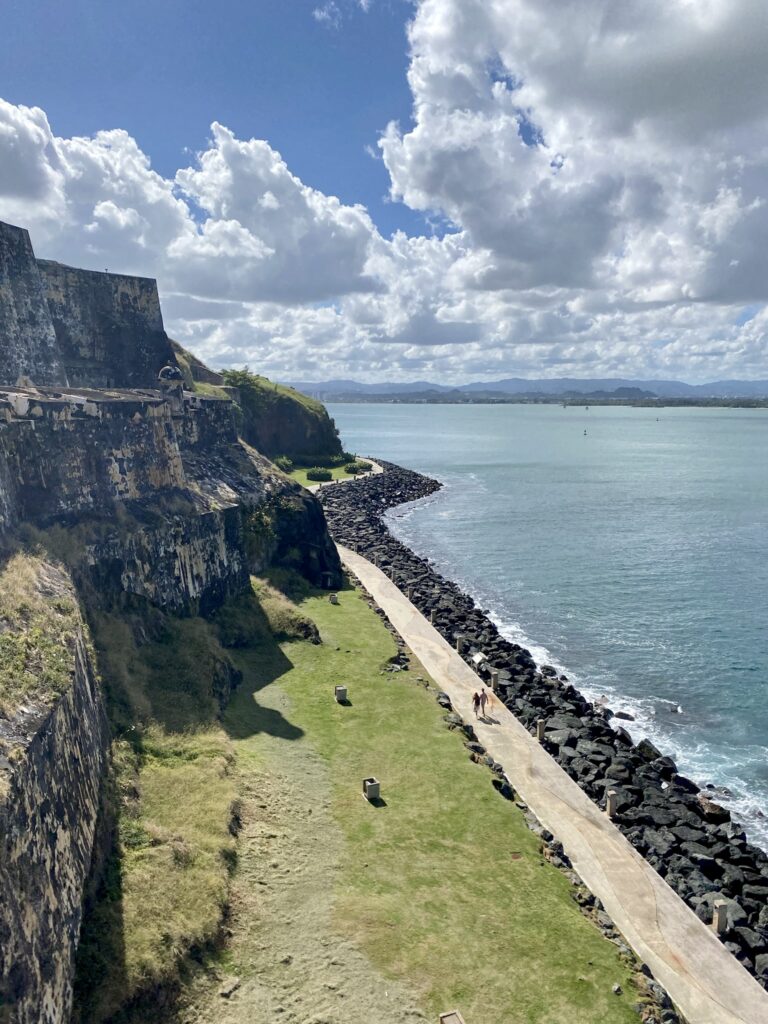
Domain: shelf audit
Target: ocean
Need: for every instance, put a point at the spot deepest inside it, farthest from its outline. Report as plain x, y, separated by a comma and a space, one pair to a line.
628, 547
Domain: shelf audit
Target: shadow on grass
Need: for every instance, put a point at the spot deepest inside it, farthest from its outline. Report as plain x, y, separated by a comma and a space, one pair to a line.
184, 676
245, 716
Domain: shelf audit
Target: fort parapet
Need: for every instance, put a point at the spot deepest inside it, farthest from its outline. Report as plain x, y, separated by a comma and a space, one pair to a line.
67, 326
109, 327
28, 345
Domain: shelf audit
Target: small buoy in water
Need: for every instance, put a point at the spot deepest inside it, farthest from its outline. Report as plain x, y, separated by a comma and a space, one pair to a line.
585, 433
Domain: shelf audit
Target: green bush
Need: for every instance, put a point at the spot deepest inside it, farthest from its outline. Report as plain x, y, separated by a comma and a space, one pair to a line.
284, 463
317, 473
353, 469
364, 466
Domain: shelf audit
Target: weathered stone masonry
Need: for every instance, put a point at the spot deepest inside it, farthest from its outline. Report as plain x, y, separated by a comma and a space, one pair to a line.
49, 801
62, 325
27, 339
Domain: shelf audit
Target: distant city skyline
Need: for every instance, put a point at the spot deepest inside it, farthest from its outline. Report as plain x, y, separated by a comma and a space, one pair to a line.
450, 190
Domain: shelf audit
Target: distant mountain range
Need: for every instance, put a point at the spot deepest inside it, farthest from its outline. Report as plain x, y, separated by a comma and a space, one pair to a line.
615, 388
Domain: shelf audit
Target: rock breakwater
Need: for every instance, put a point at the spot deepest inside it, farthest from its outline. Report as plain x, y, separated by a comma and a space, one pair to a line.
688, 838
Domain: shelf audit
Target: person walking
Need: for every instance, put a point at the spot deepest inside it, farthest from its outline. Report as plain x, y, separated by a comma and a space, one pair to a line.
483, 702
476, 702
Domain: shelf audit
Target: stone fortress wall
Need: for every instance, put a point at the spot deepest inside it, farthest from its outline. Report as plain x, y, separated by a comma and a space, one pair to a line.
109, 328
28, 344
62, 325
154, 491
49, 813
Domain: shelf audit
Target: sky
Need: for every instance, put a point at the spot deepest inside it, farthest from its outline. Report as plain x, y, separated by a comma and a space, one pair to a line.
444, 190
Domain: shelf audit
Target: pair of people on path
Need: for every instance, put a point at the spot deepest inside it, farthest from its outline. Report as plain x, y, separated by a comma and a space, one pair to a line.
479, 702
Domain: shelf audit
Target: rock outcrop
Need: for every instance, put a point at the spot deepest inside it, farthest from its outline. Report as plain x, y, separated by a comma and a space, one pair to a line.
281, 421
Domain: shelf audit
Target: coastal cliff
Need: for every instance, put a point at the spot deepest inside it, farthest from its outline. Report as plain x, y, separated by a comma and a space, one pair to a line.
281, 421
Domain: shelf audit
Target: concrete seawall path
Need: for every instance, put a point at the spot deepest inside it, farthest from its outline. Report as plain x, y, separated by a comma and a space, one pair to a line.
703, 979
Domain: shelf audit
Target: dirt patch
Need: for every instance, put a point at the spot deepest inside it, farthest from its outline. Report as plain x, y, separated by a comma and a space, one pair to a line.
284, 960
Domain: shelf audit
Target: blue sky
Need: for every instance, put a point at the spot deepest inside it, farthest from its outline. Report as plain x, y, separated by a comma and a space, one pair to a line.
164, 70
572, 196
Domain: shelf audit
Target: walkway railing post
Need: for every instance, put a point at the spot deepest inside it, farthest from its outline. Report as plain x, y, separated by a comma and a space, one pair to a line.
720, 917
540, 726
611, 803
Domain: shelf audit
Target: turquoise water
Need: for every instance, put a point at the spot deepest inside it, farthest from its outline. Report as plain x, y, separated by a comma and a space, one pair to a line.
634, 557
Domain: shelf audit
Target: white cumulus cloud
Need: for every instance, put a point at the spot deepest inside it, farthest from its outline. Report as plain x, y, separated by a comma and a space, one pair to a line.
602, 169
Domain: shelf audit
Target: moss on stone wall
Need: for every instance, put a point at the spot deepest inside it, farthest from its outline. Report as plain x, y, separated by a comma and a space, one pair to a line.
39, 622
53, 751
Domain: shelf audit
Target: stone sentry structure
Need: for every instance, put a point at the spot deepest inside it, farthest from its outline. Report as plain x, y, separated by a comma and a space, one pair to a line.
157, 500
690, 840
62, 325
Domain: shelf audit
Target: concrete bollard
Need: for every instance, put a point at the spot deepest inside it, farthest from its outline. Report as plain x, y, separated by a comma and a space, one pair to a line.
459, 644
340, 693
720, 917
334, 599
432, 616
371, 789
611, 801
494, 679
540, 725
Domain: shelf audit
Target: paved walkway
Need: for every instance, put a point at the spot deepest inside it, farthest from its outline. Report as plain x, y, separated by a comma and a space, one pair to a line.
707, 984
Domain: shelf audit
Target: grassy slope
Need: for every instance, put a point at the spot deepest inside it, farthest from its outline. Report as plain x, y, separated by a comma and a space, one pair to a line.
167, 888
444, 888
167, 885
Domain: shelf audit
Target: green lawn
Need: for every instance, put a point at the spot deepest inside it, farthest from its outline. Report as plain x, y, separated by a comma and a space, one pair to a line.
444, 887
299, 473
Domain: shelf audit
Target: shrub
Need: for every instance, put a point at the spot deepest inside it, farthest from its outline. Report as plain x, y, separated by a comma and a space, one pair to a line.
364, 466
353, 469
284, 463
318, 473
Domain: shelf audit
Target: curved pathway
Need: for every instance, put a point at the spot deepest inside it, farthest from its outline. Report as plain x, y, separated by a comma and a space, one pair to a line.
703, 979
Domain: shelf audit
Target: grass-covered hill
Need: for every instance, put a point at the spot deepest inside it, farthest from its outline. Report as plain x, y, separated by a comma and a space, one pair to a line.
275, 419
280, 421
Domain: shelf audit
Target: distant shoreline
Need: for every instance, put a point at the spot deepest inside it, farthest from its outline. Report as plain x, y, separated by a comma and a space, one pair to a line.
575, 402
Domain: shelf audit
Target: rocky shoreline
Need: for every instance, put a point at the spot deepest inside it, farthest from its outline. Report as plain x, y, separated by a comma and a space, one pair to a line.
688, 838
